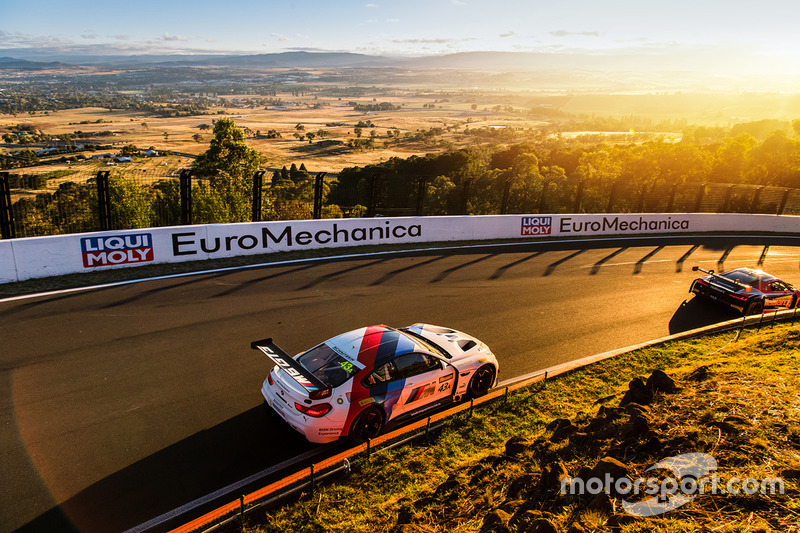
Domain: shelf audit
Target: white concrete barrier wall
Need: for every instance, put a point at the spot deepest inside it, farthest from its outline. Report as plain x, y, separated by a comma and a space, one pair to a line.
36, 257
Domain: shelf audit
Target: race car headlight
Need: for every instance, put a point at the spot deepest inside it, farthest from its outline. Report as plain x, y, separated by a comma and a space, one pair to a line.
321, 409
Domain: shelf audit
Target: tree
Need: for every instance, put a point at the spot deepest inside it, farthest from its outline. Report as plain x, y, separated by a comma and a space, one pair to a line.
197, 138
229, 164
228, 154
129, 150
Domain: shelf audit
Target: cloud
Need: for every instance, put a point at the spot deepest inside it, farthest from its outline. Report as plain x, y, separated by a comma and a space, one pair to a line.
432, 41
507, 34
370, 5
89, 36
458, 2
565, 33
280, 37
306, 49
173, 38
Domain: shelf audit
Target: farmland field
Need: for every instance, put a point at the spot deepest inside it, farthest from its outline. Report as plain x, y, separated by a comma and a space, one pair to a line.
314, 126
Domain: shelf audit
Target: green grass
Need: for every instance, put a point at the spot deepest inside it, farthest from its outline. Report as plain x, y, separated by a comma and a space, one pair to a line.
462, 480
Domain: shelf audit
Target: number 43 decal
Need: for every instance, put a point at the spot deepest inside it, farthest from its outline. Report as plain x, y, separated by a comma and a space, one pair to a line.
444, 386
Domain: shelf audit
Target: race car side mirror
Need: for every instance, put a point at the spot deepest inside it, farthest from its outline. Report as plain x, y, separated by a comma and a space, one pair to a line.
695, 268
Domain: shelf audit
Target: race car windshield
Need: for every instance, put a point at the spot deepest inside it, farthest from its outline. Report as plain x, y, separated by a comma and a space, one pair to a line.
327, 365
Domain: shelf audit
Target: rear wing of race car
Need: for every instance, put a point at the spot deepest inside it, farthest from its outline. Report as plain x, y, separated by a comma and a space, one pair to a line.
736, 282
300, 374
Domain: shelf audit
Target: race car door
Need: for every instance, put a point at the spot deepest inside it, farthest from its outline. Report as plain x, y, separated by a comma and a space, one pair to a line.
779, 296
427, 380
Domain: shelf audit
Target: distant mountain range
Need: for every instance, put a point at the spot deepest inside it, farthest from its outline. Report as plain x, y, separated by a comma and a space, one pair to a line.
503, 61
10, 62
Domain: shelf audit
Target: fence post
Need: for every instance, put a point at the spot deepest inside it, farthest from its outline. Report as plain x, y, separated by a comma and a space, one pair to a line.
103, 200
699, 202
186, 196
504, 201
578, 196
726, 203
318, 189
612, 195
258, 187
372, 200
784, 201
7, 229
543, 196
421, 188
241, 511
642, 197
672, 197
756, 199
465, 192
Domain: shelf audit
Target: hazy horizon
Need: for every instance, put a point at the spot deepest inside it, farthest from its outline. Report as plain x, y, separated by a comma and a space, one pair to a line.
757, 38
712, 43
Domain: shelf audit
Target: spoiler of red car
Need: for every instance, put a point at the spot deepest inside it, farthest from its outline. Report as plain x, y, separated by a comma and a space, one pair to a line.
747, 288
301, 375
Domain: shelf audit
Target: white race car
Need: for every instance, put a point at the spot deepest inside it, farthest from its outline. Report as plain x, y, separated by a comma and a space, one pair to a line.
356, 383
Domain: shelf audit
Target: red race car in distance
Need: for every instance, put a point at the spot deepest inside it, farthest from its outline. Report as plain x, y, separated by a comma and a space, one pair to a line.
749, 291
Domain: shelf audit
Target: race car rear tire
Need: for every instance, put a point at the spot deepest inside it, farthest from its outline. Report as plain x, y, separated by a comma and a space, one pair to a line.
367, 424
481, 381
754, 308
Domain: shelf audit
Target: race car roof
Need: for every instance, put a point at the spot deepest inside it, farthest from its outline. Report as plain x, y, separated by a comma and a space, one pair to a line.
373, 346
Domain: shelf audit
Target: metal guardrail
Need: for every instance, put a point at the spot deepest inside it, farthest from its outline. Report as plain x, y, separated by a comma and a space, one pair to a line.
308, 478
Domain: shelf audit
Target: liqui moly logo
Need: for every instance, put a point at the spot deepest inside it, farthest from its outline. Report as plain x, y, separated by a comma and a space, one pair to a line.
536, 225
117, 249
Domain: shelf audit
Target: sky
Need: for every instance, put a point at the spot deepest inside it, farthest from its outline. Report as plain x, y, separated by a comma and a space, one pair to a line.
764, 30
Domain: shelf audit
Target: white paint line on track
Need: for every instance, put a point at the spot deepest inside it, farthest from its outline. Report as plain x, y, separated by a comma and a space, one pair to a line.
353, 256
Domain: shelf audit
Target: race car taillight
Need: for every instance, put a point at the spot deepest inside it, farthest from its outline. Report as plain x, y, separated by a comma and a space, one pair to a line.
269, 378
740, 298
321, 409
320, 393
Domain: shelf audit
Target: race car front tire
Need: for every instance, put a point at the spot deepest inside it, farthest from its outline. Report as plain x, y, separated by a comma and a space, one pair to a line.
754, 308
367, 424
481, 381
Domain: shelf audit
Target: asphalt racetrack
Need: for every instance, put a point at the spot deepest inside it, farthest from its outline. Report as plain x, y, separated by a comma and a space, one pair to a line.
121, 404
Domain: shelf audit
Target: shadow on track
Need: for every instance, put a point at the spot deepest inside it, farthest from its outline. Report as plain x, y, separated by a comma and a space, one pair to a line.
190, 469
387, 277
697, 313
442, 275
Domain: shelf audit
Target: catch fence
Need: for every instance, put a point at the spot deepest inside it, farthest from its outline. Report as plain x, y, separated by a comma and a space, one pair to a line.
86, 199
